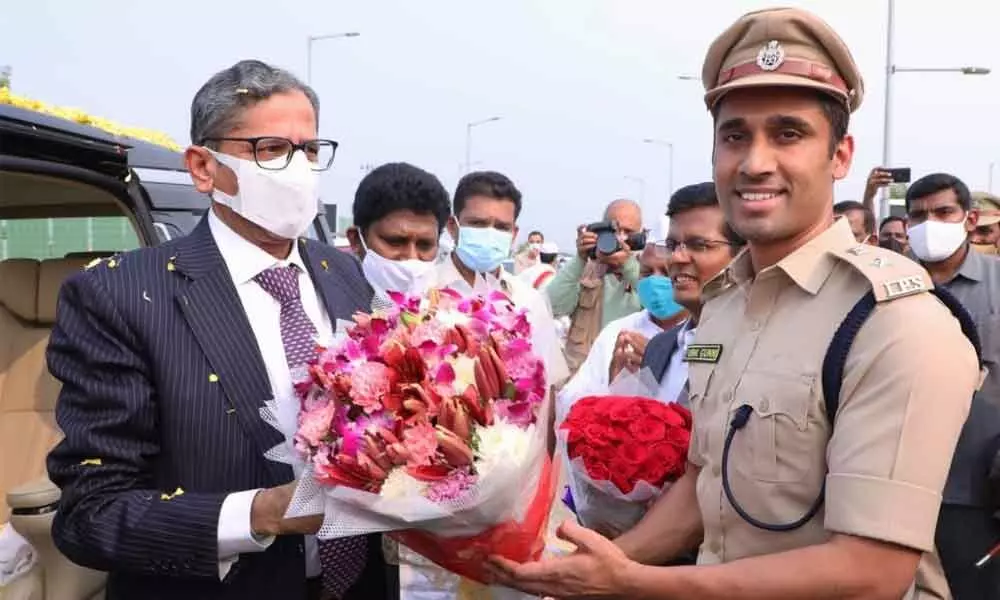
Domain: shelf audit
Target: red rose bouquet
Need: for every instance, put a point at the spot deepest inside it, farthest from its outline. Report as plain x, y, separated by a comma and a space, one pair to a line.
623, 451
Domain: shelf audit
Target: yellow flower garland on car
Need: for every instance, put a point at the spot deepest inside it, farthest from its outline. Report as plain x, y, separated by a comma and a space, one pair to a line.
79, 116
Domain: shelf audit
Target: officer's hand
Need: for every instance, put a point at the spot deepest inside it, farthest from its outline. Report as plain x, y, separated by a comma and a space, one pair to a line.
585, 242
598, 569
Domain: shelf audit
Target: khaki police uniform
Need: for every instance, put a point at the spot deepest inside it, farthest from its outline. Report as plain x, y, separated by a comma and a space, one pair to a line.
988, 206
762, 337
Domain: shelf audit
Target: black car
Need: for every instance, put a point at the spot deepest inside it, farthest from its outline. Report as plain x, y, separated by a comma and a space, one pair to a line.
68, 189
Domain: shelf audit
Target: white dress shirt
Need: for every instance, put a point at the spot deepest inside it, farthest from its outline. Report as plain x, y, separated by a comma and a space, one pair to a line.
245, 261
677, 371
592, 376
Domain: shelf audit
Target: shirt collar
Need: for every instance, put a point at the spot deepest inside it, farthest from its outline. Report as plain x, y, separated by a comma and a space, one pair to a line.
808, 267
448, 275
244, 259
974, 266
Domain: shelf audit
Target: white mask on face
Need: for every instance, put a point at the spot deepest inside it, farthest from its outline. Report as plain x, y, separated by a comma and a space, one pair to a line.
283, 202
934, 241
408, 276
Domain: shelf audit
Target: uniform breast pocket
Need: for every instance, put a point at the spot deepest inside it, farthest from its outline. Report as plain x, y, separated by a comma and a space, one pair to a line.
699, 378
778, 444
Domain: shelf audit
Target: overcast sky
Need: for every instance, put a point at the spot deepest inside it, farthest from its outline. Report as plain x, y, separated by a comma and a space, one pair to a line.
579, 83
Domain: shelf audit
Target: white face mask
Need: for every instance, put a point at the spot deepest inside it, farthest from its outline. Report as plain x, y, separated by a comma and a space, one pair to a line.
934, 241
408, 276
283, 202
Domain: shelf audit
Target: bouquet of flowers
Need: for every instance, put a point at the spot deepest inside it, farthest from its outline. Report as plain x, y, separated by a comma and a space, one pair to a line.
623, 452
427, 420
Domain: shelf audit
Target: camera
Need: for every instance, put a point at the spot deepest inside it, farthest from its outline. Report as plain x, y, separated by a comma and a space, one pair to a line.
607, 238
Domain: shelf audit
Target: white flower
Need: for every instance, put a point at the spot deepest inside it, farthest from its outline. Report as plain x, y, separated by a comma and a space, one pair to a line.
400, 484
502, 444
450, 318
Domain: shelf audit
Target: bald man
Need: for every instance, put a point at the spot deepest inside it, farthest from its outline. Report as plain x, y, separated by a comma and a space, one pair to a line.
595, 288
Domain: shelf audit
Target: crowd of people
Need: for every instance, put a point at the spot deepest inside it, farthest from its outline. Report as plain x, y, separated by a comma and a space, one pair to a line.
842, 373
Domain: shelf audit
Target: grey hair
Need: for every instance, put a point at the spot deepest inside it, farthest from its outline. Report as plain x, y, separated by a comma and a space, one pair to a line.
620, 202
219, 104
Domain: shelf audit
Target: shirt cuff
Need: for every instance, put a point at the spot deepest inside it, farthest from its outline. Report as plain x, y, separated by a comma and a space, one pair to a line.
234, 533
882, 509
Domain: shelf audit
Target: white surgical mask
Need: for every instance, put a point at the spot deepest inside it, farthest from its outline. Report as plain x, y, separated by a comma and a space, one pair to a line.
409, 276
284, 202
934, 241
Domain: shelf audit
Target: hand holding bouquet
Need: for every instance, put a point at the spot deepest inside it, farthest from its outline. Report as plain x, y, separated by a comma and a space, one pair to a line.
424, 420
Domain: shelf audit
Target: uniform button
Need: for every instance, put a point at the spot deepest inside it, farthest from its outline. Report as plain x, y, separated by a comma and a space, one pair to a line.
301, 548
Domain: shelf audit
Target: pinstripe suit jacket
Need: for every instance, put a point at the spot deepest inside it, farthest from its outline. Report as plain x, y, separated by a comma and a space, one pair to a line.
162, 382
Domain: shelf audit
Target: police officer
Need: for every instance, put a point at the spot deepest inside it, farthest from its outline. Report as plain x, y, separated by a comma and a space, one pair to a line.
781, 85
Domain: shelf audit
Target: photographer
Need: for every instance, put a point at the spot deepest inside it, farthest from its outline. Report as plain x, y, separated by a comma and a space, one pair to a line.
598, 285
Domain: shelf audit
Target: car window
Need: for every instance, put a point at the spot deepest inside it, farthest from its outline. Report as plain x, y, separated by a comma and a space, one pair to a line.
57, 237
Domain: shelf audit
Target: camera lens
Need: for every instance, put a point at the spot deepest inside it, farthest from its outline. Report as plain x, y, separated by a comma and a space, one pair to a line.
607, 242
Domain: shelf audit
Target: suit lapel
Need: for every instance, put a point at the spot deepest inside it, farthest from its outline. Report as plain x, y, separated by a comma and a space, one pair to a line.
215, 314
335, 289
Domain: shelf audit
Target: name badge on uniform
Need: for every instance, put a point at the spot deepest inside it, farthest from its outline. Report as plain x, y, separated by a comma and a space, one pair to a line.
703, 353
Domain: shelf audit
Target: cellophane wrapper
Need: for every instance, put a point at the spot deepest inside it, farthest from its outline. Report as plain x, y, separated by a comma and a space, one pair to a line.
505, 513
600, 505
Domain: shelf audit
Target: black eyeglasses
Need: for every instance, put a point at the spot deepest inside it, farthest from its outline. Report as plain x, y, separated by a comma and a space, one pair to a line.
696, 245
275, 153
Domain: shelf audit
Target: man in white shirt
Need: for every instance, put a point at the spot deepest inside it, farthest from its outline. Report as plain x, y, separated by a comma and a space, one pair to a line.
167, 354
484, 225
540, 274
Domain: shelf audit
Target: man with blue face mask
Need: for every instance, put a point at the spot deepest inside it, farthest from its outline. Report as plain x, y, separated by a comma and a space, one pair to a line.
483, 226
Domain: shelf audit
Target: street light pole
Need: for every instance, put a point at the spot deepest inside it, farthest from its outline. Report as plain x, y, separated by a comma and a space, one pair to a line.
670, 164
468, 139
890, 70
887, 116
315, 38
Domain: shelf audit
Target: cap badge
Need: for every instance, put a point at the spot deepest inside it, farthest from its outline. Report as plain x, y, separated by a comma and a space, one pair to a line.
771, 56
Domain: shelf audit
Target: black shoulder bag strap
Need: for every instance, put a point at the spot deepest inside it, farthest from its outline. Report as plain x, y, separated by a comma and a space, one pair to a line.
836, 354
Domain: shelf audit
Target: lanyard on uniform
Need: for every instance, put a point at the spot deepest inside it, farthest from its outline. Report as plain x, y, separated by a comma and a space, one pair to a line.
739, 422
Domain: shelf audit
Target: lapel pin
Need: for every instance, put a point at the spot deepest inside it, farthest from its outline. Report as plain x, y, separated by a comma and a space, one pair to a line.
230, 410
93, 264
113, 262
324, 264
213, 378
145, 296
94, 462
170, 264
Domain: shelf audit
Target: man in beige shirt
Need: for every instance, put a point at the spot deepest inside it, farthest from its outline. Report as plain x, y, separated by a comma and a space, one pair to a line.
781, 84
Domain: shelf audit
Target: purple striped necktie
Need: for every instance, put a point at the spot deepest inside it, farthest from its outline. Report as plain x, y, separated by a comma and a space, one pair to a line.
343, 559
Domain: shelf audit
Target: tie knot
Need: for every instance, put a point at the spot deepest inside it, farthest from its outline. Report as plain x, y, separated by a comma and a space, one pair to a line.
281, 282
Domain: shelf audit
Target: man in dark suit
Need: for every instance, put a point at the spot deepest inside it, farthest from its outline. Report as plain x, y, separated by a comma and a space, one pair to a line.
167, 354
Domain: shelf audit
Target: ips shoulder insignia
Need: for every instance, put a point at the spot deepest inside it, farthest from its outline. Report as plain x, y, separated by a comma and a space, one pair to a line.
891, 275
